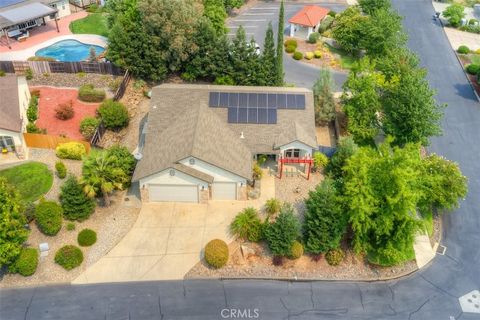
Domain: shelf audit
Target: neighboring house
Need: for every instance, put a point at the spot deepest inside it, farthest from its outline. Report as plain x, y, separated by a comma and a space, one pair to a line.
19, 16
201, 140
307, 21
14, 101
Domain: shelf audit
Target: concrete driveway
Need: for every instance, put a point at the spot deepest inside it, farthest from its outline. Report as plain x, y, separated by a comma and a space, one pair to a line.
168, 238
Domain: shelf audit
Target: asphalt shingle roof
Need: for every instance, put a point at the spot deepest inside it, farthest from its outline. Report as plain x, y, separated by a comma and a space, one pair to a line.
9, 104
181, 124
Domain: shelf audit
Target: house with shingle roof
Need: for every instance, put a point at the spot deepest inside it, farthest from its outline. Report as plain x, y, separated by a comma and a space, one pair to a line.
307, 20
14, 100
200, 141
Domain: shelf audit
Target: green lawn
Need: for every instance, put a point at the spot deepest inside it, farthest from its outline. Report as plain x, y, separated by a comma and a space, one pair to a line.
346, 60
94, 23
32, 179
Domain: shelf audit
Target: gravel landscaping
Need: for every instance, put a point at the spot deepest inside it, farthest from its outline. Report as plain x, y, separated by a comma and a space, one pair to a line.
295, 189
74, 80
259, 265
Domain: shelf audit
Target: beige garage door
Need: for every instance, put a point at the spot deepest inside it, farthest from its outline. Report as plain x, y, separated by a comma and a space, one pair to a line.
224, 191
174, 193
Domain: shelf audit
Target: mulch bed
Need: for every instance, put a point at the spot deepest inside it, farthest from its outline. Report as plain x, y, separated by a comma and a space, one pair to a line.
50, 98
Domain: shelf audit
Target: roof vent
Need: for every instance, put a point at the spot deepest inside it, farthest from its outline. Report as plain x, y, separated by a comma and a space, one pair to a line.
138, 156
242, 136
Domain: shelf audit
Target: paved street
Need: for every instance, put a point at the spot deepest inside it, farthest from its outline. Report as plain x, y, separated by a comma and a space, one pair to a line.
255, 21
430, 294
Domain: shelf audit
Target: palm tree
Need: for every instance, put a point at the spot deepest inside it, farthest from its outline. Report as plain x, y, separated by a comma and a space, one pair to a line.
100, 175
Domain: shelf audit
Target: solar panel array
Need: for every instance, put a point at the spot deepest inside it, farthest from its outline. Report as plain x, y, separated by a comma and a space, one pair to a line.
259, 108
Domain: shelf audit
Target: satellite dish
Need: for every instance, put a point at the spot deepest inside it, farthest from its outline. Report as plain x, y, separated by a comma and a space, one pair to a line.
138, 156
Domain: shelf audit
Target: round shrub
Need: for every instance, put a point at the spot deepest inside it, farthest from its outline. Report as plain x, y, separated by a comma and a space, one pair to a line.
88, 127
477, 51
463, 50
61, 169
48, 215
298, 55
69, 257
87, 237
297, 250
309, 55
473, 68
216, 253
313, 37
290, 49
317, 54
291, 42
334, 256
247, 225
70, 150
27, 262
64, 111
472, 22
114, 114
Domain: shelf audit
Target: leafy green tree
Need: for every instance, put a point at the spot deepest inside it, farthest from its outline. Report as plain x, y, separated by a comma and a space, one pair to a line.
245, 60
361, 103
281, 28
348, 29
230, 4
76, 205
323, 98
443, 184
454, 13
214, 10
123, 159
325, 221
411, 113
281, 234
381, 193
12, 231
345, 149
268, 59
369, 6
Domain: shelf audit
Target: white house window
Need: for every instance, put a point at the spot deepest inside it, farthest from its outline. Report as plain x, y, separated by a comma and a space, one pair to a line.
192, 161
172, 172
6, 141
292, 153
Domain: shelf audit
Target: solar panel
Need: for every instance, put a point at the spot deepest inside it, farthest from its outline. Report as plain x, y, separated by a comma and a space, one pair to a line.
272, 101
242, 115
243, 100
272, 116
281, 101
233, 100
214, 99
232, 115
291, 101
300, 101
262, 100
223, 99
252, 100
262, 115
252, 115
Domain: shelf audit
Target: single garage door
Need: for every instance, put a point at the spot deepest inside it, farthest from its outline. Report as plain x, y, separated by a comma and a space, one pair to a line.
175, 193
224, 191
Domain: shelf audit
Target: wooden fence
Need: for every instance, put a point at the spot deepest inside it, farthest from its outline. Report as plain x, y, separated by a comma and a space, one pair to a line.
41, 67
123, 86
46, 141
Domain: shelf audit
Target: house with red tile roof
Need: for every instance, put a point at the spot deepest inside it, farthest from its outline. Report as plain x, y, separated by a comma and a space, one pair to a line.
307, 21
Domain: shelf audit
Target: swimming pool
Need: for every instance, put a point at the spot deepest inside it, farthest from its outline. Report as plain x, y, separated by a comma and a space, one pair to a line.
69, 50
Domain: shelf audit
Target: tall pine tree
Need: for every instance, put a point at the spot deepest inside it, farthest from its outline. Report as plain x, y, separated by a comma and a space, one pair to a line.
76, 205
281, 27
268, 59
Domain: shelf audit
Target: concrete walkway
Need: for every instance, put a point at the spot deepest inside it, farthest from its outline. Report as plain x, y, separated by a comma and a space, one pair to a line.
167, 239
458, 38
424, 252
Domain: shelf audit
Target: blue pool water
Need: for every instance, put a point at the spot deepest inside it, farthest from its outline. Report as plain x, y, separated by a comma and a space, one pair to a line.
69, 50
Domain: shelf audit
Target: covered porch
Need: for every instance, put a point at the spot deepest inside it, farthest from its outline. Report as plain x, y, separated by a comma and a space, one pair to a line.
17, 23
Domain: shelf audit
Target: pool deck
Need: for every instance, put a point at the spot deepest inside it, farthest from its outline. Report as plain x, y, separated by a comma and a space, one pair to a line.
44, 36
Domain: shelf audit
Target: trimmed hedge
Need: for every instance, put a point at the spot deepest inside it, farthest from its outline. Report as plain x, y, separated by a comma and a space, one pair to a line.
298, 55
87, 237
216, 253
313, 37
48, 215
290, 49
297, 250
114, 114
69, 257
26, 264
61, 169
473, 69
335, 256
70, 150
291, 42
88, 93
463, 50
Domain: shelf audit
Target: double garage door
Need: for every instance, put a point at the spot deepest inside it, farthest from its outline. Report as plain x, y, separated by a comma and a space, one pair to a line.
175, 193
